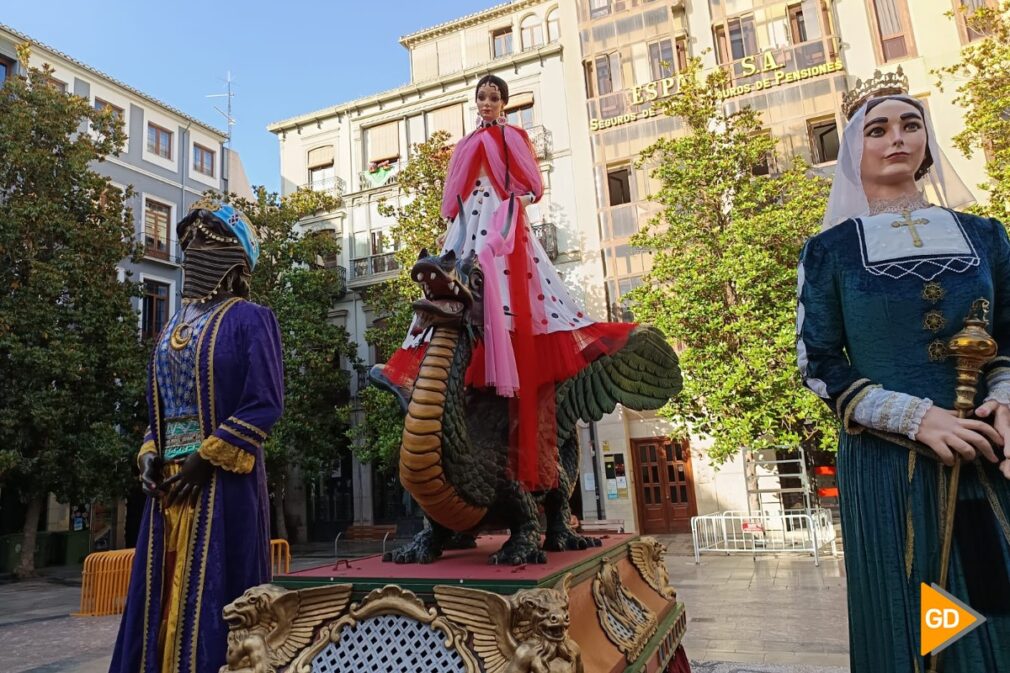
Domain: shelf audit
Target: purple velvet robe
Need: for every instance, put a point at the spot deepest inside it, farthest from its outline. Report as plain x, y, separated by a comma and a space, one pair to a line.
240, 396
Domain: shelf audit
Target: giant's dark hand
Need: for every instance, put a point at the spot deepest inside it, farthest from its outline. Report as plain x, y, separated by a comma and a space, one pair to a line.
186, 484
150, 474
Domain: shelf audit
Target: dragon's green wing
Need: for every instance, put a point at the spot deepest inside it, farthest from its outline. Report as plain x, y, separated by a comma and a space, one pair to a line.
643, 376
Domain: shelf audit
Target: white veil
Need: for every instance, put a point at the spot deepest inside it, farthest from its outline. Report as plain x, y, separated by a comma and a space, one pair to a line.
941, 184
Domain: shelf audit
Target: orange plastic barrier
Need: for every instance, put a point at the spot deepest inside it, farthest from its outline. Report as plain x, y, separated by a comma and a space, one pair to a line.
280, 557
104, 582
106, 578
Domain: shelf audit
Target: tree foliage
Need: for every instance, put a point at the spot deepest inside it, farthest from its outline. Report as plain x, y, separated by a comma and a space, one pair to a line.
71, 364
418, 226
983, 90
293, 281
723, 282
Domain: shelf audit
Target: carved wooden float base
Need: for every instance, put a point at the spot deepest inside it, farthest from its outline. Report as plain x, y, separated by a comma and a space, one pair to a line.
599, 610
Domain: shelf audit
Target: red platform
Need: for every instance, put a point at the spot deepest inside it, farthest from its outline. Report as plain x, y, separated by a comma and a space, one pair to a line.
465, 567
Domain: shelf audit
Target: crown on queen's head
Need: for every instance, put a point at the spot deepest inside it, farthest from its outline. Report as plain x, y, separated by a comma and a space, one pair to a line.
881, 84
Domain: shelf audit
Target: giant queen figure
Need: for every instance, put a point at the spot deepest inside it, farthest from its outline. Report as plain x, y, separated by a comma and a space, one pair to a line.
883, 290
215, 389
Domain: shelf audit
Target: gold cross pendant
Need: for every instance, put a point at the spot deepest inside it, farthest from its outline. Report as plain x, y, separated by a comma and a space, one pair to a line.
907, 221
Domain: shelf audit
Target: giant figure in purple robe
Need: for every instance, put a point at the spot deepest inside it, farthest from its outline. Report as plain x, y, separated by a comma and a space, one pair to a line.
216, 387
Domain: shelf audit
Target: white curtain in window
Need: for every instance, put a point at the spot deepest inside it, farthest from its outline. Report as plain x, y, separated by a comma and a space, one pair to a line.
383, 141
553, 26
812, 19
778, 33
888, 16
532, 32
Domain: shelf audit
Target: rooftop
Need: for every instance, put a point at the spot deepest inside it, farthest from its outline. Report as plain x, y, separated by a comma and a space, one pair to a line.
151, 99
503, 9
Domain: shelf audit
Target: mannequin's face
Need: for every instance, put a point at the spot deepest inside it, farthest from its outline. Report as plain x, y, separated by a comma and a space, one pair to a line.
489, 102
894, 143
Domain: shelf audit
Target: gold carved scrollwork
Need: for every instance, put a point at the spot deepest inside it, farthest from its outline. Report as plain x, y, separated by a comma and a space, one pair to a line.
389, 600
627, 621
268, 625
516, 634
648, 556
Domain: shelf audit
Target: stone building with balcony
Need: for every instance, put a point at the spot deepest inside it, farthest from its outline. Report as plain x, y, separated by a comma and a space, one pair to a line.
169, 159
791, 60
357, 148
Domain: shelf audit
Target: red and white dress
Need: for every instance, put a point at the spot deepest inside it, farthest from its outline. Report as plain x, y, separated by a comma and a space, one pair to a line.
535, 333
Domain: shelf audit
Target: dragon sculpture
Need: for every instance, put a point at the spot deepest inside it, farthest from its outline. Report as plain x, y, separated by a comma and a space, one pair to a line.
454, 453
523, 633
268, 625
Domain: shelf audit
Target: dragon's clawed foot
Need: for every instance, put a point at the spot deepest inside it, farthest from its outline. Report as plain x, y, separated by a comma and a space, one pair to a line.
518, 550
568, 540
423, 549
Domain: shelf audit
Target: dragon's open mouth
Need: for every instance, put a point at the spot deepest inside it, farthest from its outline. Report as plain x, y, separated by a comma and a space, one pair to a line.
446, 297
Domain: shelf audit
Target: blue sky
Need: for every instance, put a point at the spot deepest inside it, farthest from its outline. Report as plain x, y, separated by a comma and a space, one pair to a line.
286, 57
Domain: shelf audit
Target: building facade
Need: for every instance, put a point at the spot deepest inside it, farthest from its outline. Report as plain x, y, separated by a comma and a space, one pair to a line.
168, 160
584, 77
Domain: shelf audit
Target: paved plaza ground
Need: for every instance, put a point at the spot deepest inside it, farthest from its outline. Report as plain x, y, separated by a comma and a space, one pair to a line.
773, 615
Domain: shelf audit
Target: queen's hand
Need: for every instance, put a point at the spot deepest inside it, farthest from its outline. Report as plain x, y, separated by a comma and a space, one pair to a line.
1001, 421
945, 433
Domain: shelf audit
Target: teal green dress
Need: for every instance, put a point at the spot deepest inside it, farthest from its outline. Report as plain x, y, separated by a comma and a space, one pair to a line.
878, 300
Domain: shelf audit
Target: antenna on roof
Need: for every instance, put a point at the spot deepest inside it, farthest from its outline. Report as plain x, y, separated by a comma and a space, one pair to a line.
227, 115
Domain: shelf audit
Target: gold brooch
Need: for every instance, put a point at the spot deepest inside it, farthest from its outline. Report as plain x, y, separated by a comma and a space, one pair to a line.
934, 321
933, 292
937, 350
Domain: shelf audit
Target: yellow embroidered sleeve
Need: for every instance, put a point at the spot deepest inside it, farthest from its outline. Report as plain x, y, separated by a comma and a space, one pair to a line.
227, 456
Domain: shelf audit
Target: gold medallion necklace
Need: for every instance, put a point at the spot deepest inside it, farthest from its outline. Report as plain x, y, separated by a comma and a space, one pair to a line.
182, 334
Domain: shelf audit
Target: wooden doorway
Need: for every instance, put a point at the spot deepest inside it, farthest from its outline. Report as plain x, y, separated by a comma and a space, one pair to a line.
664, 485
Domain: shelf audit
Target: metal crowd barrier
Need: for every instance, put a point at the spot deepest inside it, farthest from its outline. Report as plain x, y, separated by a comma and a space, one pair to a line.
280, 557
106, 578
737, 532
104, 583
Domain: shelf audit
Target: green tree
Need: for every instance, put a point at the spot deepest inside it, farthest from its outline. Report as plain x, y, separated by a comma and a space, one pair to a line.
723, 283
293, 280
71, 363
983, 90
419, 223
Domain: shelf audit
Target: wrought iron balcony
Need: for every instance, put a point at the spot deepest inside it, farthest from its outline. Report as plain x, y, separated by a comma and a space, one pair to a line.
341, 274
376, 264
543, 141
380, 175
335, 185
547, 233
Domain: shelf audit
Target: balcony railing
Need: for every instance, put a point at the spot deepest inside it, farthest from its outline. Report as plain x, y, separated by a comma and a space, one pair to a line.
543, 141
376, 264
380, 176
341, 274
547, 233
334, 185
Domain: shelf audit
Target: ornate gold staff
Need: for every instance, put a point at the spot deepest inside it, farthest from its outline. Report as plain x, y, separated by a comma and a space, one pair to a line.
972, 348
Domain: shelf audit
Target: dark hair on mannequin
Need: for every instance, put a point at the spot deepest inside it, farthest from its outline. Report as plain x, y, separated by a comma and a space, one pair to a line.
927, 160
496, 81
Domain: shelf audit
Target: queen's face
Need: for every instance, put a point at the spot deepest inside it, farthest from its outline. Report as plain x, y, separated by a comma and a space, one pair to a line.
489, 102
894, 143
